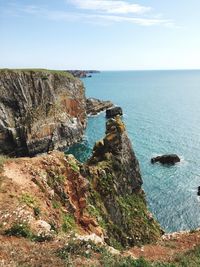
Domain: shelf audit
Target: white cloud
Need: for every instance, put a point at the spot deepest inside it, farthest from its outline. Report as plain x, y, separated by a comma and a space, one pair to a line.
103, 18
110, 6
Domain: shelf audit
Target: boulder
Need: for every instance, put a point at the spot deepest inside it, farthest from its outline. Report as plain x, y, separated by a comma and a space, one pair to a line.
94, 106
166, 159
112, 112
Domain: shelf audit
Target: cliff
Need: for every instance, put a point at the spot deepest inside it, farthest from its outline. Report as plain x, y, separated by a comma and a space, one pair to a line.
55, 193
55, 211
40, 110
119, 198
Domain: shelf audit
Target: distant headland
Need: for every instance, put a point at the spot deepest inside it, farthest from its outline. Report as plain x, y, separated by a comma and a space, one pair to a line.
83, 73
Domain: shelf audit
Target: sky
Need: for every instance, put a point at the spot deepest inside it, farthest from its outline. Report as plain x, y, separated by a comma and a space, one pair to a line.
100, 34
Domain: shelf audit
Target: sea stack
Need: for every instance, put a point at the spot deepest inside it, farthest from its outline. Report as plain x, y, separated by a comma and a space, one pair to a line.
116, 178
112, 112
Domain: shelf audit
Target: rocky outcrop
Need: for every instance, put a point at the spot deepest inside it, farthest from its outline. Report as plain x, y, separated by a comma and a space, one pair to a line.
82, 73
40, 111
116, 180
166, 159
94, 106
112, 112
53, 194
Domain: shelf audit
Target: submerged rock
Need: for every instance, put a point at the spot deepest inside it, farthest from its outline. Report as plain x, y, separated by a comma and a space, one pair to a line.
40, 110
112, 112
94, 106
166, 159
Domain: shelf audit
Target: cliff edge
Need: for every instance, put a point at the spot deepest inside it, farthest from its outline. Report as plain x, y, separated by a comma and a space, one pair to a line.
53, 194
40, 110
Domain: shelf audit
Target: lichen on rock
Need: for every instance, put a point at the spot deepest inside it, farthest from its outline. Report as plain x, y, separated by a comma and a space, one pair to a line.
119, 198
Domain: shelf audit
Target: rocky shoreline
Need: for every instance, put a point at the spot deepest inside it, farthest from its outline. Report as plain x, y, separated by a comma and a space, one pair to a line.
95, 106
83, 73
63, 210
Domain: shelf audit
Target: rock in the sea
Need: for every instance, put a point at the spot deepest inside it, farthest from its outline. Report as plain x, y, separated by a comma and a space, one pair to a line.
94, 106
112, 112
40, 110
198, 192
166, 159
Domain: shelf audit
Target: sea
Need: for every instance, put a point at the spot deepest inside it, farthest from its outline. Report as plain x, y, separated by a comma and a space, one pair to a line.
162, 115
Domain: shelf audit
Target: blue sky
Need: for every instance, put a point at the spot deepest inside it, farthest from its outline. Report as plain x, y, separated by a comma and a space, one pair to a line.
100, 34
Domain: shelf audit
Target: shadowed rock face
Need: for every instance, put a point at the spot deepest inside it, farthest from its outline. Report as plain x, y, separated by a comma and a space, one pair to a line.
40, 111
112, 112
117, 148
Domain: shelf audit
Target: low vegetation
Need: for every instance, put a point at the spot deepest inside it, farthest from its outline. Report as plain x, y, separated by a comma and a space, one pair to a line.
60, 72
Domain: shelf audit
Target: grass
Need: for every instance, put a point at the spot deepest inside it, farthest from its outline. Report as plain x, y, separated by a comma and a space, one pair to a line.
88, 249
56, 204
189, 259
19, 230
28, 200
68, 223
31, 202
45, 71
74, 166
79, 248
3, 159
22, 229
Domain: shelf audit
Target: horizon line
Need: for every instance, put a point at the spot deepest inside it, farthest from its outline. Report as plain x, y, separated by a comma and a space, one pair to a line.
101, 70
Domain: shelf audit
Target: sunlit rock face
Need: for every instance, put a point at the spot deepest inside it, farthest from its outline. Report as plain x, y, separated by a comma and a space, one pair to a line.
40, 110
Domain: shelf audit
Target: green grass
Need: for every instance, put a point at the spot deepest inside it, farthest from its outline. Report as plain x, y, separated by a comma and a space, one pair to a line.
189, 259
79, 248
45, 71
22, 229
28, 199
68, 223
87, 249
56, 204
19, 230
31, 202
73, 164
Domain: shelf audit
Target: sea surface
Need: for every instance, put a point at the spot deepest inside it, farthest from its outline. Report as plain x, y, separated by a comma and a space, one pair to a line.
162, 115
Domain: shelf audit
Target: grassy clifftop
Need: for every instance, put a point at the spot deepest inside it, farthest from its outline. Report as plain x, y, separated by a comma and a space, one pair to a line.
47, 71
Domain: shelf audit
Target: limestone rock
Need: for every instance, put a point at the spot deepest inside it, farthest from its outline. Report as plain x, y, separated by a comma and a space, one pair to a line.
94, 106
40, 111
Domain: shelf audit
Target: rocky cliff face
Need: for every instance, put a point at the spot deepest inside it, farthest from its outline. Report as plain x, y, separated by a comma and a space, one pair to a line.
116, 192
55, 194
40, 111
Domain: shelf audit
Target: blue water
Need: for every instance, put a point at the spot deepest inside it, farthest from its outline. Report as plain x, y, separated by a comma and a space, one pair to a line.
162, 115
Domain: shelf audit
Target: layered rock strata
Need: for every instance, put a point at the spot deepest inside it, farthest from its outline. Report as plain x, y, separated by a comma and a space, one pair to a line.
117, 193
95, 106
40, 111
